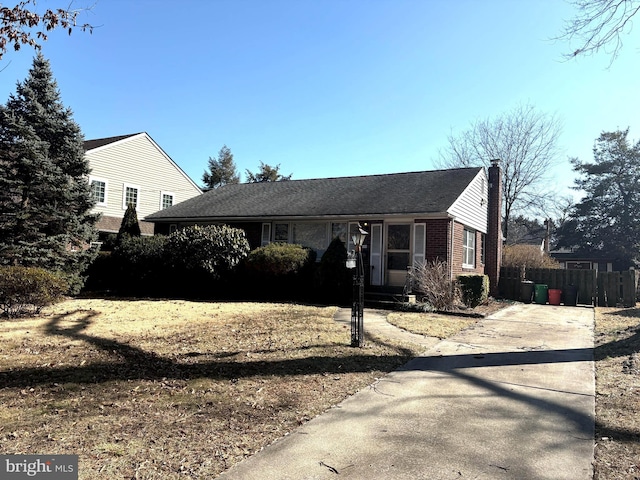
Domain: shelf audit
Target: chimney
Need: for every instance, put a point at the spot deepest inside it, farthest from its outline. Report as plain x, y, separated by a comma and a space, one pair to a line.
493, 255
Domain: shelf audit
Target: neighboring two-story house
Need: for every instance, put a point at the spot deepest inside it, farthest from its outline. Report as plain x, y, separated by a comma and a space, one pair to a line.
133, 169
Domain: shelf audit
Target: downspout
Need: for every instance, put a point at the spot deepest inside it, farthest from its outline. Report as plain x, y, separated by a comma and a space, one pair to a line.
452, 221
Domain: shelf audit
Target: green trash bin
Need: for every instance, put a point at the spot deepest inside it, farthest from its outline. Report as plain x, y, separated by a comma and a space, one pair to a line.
541, 293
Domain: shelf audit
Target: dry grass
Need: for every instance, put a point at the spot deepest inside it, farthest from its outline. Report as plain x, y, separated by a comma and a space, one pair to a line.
617, 355
173, 389
430, 324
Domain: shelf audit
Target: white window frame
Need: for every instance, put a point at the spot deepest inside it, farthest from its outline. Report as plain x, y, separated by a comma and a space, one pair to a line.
124, 195
106, 188
162, 194
275, 232
468, 234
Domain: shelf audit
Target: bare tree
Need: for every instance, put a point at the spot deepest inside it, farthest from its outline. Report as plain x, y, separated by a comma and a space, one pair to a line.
23, 25
599, 24
524, 140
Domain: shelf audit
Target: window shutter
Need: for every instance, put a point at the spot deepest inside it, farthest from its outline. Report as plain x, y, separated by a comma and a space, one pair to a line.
419, 243
266, 234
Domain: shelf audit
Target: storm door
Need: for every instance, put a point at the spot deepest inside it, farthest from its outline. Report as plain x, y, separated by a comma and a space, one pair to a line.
398, 256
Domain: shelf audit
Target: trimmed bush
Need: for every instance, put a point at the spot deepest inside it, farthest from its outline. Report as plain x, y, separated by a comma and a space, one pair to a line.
129, 227
281, 270
210, 249
26, 290
474, 289
280, 259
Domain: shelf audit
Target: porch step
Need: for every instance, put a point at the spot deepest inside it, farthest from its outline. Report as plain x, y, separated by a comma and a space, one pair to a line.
386, 299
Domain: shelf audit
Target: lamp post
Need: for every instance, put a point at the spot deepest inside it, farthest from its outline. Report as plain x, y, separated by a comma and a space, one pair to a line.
354, 260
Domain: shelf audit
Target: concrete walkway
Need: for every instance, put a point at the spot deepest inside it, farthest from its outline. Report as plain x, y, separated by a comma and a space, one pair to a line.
510, 398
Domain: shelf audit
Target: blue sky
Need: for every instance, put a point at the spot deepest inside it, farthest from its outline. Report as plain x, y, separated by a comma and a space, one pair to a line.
329, 87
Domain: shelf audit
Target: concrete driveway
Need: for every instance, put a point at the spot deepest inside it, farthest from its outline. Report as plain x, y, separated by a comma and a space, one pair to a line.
510, 398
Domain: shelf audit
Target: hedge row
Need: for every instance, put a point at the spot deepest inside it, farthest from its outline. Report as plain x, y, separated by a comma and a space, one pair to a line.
215, 262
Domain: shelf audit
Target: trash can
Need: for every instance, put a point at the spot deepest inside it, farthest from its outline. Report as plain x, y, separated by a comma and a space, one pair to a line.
526, 291
554, 296
541, 293
571, 295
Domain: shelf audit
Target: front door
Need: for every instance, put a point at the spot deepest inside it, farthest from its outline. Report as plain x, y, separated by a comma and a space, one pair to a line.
398, 255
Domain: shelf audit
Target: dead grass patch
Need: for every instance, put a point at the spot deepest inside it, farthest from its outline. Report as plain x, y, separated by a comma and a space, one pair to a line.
430, 324
617, 355
173, 389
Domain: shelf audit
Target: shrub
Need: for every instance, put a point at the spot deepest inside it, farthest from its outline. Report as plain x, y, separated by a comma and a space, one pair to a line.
474, 289
335, 279
26, 290
280, 259
137, 265
281, 271
212, 249
528, 256
129, 227
431, 281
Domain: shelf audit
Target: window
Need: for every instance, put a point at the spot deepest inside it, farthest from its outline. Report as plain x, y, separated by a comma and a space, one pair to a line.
469, 249
130, 196
311, 235
166, 200
281, 233
99, 190
339, 230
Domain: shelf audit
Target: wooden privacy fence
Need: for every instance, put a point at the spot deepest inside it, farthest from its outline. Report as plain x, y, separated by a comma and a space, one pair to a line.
595, 288
617, 287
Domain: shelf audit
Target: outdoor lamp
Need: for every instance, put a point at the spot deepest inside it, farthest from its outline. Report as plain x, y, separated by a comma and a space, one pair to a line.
358, 237
357, 307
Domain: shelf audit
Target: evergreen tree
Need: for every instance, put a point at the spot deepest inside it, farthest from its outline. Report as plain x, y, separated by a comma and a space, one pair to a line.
267, 173
44, 194
222, 170
129, 226
605, 221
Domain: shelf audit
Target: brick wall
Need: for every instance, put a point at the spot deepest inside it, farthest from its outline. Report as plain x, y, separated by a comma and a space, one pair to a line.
438, 239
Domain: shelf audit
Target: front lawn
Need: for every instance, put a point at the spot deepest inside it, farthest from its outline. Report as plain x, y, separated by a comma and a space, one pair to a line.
173, 389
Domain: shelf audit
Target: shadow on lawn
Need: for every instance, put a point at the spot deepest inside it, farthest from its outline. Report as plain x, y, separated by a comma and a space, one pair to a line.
133, 363
624, 346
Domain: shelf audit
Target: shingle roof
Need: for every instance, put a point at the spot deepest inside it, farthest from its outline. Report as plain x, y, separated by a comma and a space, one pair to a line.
100, 142
399, 193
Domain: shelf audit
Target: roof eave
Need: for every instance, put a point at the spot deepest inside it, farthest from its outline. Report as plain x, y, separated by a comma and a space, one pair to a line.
267, 218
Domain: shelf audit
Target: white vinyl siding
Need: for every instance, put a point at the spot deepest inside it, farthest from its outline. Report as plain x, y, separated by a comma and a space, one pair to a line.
470, 208
138, 161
